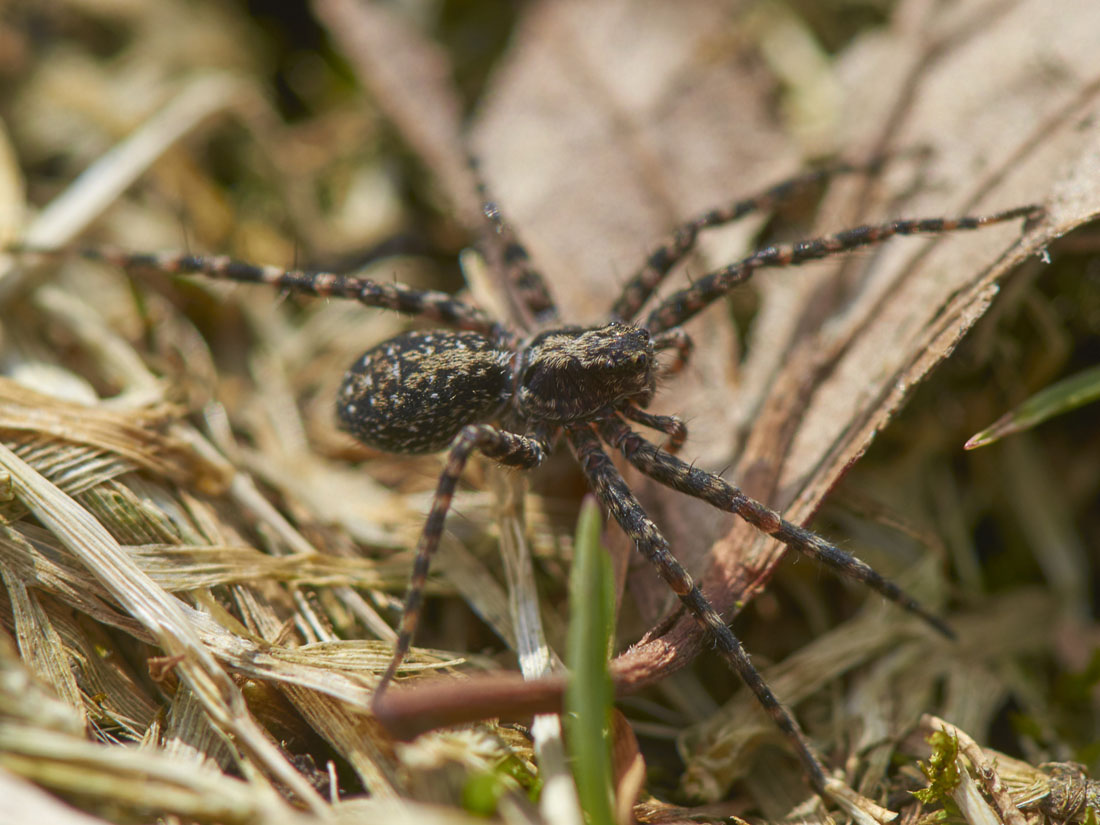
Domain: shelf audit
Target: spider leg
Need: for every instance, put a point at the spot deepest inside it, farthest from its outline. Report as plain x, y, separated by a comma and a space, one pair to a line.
425, 303
674, 473
615, 495
682, 305
679, 244
678, 340
511, 257
507, 448
670, 425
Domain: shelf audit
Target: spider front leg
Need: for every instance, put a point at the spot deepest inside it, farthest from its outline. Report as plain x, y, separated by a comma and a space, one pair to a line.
672, 472
428, 304
670, 425
684, 304
507, 448
615, 495
675, 339
682, 240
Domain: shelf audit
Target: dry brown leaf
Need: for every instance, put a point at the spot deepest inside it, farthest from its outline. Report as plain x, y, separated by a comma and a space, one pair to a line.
606, 125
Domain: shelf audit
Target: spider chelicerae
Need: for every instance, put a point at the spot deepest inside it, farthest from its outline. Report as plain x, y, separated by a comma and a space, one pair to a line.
510, 394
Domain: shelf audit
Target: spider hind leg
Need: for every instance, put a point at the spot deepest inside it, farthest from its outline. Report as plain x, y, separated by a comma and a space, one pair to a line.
428, 304
504, 447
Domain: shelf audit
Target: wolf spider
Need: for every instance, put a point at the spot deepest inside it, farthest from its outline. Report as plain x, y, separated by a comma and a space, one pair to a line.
509, 394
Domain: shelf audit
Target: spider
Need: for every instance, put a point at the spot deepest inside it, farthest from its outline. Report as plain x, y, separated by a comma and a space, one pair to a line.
510, 394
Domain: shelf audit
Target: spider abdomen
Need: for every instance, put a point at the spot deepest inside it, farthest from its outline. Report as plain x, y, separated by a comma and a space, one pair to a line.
414, 392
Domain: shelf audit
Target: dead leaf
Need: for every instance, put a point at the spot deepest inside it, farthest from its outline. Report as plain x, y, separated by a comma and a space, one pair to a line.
604, 127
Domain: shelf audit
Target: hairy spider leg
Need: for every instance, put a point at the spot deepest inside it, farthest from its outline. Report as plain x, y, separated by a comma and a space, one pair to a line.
615, 495
679, 244
684, 304
424, 303
675, 339
672, 472
511, 259
670, 425
507, 448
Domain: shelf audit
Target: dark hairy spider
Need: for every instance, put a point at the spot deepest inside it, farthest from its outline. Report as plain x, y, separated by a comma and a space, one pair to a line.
510, 395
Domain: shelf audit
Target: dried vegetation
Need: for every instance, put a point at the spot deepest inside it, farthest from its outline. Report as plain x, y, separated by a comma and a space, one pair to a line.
199, 572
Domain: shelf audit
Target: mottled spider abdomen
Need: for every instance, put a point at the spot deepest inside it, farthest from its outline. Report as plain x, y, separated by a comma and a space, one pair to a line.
416, 391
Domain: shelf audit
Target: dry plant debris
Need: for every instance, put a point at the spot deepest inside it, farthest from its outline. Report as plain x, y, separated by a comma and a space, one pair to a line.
198, 569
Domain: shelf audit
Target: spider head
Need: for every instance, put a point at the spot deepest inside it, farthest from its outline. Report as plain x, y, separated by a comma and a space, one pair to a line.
572, 373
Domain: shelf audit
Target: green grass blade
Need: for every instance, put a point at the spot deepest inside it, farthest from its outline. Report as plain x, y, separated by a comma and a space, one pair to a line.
590, 692
1063, 396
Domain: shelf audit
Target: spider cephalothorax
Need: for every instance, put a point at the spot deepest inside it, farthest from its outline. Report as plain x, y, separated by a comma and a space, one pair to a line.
571, 374
486, 388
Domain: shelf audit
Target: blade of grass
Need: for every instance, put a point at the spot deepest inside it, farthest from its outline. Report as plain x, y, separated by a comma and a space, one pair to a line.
589, 693
1062, 396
